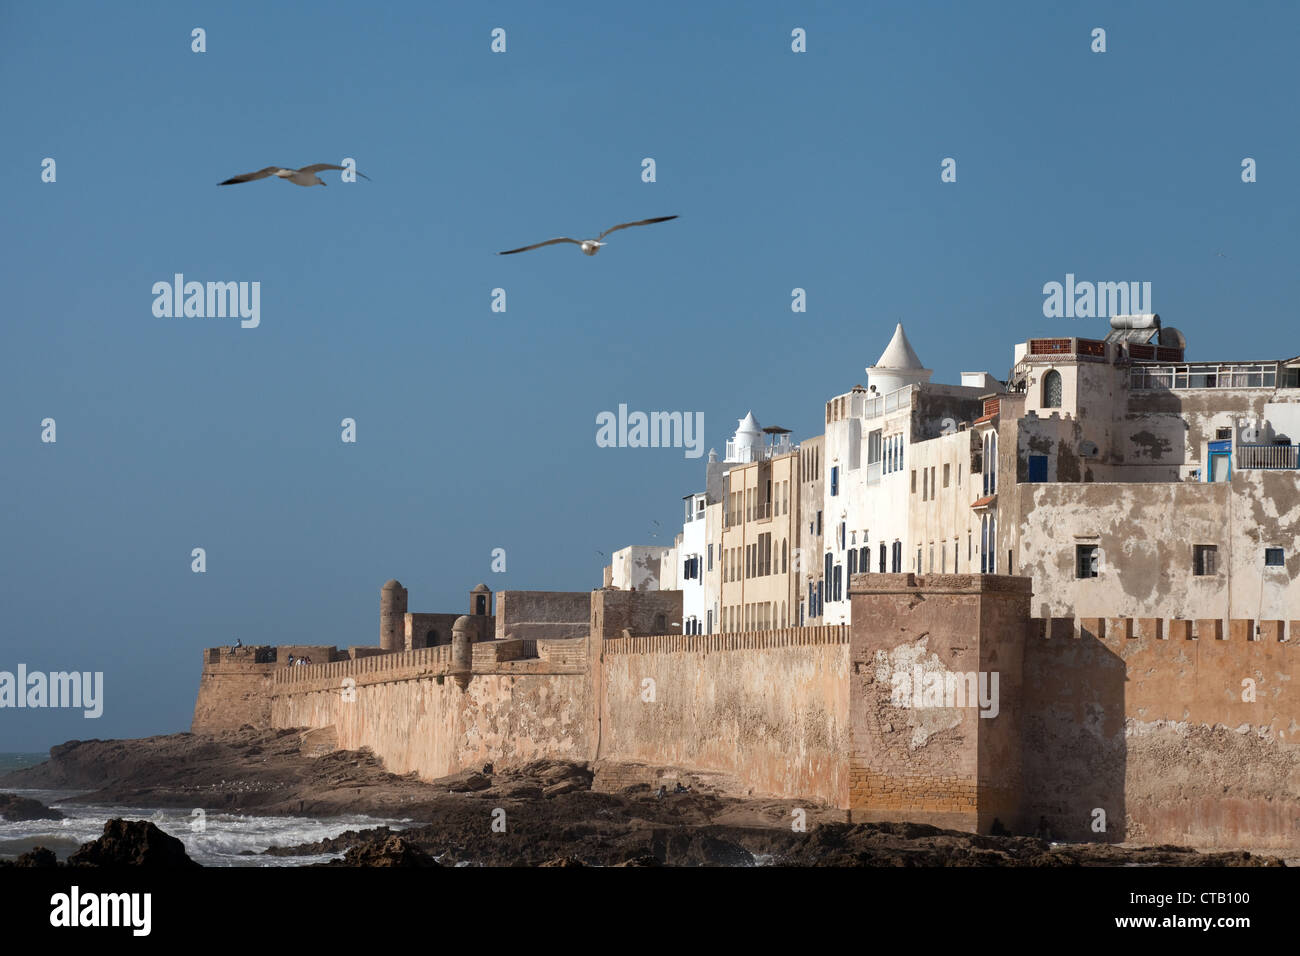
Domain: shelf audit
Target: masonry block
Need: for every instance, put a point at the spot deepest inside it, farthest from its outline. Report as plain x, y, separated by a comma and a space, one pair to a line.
1272, 631
1209, 629
1092, 627
1061, 629
1241, 629
1119, 628
1150, 628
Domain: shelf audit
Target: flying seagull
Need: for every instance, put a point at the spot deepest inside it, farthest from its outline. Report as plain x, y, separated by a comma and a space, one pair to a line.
589, 247
303, 177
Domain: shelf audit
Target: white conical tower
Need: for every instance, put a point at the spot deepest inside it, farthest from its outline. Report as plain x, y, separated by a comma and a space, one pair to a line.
897, 366
747, 445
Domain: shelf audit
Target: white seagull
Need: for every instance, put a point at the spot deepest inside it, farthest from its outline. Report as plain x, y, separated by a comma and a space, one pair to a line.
589, 247
303, 177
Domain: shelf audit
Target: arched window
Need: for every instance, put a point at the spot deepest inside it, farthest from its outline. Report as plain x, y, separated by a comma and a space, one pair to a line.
1052, 389
431, 638
991, 463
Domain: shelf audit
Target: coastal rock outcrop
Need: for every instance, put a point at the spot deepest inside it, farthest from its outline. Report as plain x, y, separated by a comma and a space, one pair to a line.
133, 843
14, 808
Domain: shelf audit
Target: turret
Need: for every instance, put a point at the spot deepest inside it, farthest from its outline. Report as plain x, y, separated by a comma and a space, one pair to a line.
462, 650
392, 617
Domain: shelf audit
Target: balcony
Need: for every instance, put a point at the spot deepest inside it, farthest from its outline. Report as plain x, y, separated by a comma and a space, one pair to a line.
1268, 457
898, 398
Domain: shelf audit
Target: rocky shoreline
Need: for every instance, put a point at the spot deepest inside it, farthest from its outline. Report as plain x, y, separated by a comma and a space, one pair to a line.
542, 814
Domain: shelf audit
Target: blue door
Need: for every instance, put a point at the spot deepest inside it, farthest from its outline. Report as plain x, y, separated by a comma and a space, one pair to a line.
1220, 464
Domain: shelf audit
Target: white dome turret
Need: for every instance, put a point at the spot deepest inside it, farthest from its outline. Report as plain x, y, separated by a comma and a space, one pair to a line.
897, 366
747, 445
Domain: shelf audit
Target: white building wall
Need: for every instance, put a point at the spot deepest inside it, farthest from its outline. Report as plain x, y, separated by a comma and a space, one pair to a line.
694, 545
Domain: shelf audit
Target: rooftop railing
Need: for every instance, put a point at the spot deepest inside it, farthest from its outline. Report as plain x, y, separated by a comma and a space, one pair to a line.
1154, 353
1268, 457
741, 452
1208, 375
1049, 348
892, 401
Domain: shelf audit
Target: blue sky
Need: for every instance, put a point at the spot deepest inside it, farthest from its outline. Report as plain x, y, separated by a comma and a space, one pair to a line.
476, 429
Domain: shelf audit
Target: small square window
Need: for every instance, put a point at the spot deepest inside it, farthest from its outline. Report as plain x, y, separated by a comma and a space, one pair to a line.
1205, 559
1274, 558
1087, 557
1222, 433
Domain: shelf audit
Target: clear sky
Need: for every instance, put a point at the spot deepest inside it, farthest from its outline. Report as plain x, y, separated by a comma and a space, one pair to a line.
476, 429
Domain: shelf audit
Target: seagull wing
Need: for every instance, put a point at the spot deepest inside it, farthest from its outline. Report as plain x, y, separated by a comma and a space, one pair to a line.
639, 222
249, 177
538, 245
317, 167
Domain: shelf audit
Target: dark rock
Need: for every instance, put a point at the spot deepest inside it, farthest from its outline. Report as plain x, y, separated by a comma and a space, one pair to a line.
25, 808
466, 781
521, 791
38, 857
564, 786
338, 844
133, 843
394, 851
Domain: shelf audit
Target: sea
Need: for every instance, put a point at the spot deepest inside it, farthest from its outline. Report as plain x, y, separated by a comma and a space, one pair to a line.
219, 839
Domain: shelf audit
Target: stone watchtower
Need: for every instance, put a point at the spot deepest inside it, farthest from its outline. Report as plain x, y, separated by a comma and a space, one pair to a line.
392, 617
462, 651
927, 652
480, 601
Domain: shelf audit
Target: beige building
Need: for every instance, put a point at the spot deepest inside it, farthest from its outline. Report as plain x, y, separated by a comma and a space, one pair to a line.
760, 524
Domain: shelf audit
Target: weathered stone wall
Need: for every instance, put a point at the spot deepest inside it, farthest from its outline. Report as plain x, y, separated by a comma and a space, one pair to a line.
1146, 534
410, 712
542, 614
767, 709
234, 689
641, 612
1147, 724
430, 630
